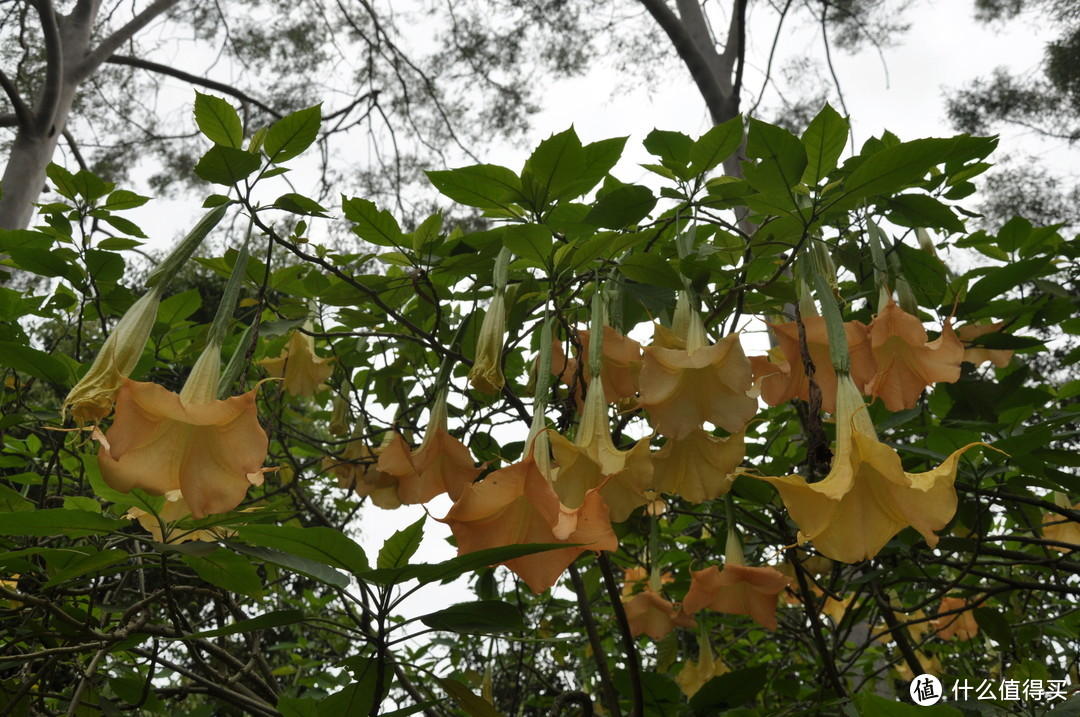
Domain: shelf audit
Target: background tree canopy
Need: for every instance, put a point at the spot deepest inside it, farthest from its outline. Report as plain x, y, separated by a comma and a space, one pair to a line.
653, 516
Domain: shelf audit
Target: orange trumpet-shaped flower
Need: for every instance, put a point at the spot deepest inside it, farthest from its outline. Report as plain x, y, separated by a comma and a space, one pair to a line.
650, 614
867, 497
699, 467
683, 388
92, 397
210, 450
357, 470
1060, 529
592, 461
961, 625
694, 675
516, 505
620, 364
637, 576
737, 590
907, 362
442, 463
175, 509
790, 380
978, 354
302, 370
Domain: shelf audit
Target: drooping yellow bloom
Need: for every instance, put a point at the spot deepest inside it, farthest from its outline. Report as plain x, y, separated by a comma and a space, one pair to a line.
737, 590
302, 370
1060, 529
694, 675
486, 374
961, 625
516, 505
92, 397
699, 467
442, 463
636, 577
683, 388
620, 365
210, 450
867, 497
788, 379
357, 470
978, 354
907, 362
650, 614
593, 461
175, 509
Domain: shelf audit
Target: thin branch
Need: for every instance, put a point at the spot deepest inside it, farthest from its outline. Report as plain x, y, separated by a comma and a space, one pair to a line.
772, 55
109, 45
74, 147
829, 62
161, 69
24, 120
607, 686
633, 662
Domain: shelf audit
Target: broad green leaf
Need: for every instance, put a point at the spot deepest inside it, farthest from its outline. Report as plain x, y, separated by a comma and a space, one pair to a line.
401, 546
31, 361
265, 621
299, 204
466, 699
894, 168
783, 158
227, 570
673, 149
448, 570
90, 186
325, 545
59, 521
372, 224
621, 207
92, 563
118, 243
922, 210
554, 166
218, 120
226, 165
298, 706
531, 241
824, 140
46, 262
292, 134
12, 501
994, 624
599, 157
482, 617
927, 274
1001, 279
731, 689
650, 269
359, 697
63, 181
487, 186
125, 226
295, 563
178, 307
123, 199
716, 145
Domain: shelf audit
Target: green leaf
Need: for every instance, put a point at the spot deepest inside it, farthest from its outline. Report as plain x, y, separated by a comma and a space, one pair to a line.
621, 207
554, 165
123, 199
994, 624
63, 181
59, 521
401, 546
92, 563
37, 363
265, 621
359, 697
292, 134
46, 262
600, 157
299, 204
325, 545
295, 563
125, 226
783, 158
716, 145
731, 689
673, 148
824, 140
228, 570
90, 186
372, 224
896, 167
487, 186
178, 307
218, 120
448, 570
480, 617
922, 210
927, 274
298, 706
650, 269
531, 241
226, 165
1001, 279
118, 243
466, 699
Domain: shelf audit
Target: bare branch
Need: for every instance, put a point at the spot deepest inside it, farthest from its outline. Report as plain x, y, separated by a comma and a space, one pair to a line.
149, 66
24, 120
54, 66
109, 45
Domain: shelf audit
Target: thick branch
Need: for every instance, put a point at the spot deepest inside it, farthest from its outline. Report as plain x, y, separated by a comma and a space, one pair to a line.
149, 66
54, 66
109, 45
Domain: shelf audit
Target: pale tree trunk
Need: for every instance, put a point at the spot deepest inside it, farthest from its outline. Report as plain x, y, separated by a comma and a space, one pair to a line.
70, 61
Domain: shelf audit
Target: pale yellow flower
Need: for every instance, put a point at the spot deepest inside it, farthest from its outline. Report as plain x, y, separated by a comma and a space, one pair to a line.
302, 371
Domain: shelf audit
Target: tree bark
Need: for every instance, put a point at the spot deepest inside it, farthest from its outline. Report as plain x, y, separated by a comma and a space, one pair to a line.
70, 60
